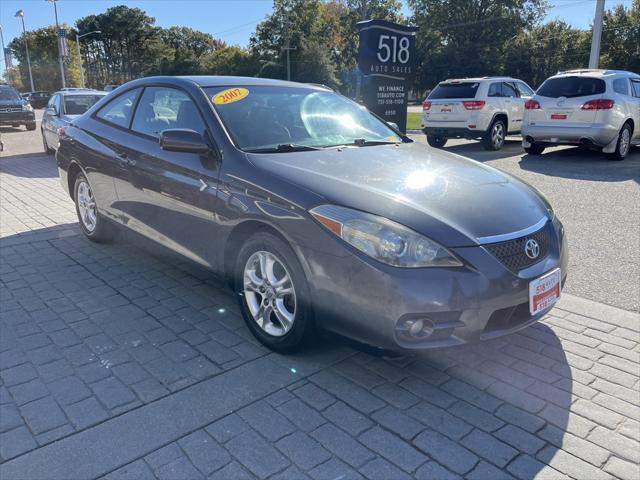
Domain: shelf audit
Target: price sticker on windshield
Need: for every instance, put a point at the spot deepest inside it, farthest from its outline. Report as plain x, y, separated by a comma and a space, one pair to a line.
229, 95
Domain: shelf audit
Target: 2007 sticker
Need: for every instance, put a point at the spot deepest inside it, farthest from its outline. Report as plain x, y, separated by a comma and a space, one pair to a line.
229, 95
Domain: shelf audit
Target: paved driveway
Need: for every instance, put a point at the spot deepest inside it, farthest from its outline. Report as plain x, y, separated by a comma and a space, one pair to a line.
118, 361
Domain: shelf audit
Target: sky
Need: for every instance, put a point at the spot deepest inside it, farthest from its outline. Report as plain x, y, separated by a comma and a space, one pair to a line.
230, 20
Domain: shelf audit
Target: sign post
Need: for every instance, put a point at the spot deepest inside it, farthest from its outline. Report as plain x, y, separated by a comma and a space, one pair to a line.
386, 58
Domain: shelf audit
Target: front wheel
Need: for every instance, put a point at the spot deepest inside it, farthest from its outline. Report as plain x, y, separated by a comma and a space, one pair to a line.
494, 138
95, 228
436, 142
534, 149
624, 143
273, 293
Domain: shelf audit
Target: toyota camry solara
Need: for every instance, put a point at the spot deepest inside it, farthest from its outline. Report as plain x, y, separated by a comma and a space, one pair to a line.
321, 215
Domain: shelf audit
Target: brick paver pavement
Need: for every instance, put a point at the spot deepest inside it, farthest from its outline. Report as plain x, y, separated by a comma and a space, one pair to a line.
120, 362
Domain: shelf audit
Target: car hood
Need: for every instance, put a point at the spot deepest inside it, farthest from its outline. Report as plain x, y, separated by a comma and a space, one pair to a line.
11, 103
452, 199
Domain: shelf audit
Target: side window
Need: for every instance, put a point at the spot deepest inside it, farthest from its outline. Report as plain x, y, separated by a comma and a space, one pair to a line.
620, 85
119, 110
52, 102
524, 89
635, 85
508, 90
57, 104
163, 108
495, 90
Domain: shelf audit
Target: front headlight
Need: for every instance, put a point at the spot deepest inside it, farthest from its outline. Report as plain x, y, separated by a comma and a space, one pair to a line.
382, 239
27, 107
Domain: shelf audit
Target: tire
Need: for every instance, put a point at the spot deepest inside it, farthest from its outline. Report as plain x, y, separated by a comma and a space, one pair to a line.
254, 293
436, 142
623, 145
98, 229
534, 149
494, 138
30, 126
48, 150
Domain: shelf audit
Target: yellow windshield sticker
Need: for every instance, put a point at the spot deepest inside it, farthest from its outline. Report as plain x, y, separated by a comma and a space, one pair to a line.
229, 95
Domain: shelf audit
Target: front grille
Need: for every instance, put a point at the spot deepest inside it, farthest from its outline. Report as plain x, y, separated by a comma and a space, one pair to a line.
10, 109
511, 252
507, 318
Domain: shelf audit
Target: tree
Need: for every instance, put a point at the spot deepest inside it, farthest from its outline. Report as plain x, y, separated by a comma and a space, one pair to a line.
621, 38
460, 38
43, 53
230, 60
185, 50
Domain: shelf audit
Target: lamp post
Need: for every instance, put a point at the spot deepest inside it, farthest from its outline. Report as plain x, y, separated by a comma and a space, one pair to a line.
20, 14
55, 9
78, 37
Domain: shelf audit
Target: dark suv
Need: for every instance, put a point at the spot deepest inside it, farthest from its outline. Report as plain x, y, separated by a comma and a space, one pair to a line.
14, 110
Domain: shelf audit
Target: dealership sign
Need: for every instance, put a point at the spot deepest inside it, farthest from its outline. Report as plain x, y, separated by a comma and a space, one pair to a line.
386, 59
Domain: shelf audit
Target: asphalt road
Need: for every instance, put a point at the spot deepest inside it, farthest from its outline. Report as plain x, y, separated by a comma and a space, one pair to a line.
598, 201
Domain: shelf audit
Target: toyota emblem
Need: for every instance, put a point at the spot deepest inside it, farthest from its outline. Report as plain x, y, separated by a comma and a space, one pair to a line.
532, 249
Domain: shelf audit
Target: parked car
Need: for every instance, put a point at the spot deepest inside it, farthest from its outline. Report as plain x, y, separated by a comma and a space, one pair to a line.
592, 108
38, 99
63, 107
487, 108
323, 217
15, 110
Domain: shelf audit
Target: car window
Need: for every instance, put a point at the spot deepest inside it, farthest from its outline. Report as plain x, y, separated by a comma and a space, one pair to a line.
572, 87
119, 110
264, 117
495, 90
454, 90
9, 93
163, 108
52, 102
57, 103
620, 85
635, 85
524, 89
78, 104
509, 90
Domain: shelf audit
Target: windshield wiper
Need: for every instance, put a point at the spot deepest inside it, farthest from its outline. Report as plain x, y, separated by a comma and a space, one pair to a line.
285, 147
363, 142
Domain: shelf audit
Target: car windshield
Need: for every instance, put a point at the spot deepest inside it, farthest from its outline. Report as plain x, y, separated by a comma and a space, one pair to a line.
78, 104
9, 94
454, 90
571, 87
284, 119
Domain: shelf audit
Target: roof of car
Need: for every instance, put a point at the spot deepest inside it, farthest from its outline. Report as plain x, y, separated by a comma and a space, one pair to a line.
478, 79
595, 72
223, 81
70, 93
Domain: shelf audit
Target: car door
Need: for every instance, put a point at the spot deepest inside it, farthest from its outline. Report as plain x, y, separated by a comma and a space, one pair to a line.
49, 120
172, 195
635, 104
495, 103
514, 106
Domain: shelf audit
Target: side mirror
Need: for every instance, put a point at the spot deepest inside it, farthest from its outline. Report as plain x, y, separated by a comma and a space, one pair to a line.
393, 125
50, 111
183, 140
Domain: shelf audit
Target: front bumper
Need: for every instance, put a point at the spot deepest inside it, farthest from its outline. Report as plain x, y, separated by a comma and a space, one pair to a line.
17, 118
369, 302
596, 134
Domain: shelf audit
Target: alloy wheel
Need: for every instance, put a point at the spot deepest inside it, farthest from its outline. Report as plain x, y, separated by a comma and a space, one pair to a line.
87, 206
625, 142
269, 293
497, 135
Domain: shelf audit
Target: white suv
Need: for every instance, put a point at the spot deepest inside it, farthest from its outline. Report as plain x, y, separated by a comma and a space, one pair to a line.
591, 108
486, 108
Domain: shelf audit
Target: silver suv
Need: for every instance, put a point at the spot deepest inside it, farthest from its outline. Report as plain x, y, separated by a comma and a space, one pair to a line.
591, 108
486, 108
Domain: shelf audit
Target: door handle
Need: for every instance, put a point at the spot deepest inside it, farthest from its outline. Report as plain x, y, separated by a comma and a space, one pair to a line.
123, 157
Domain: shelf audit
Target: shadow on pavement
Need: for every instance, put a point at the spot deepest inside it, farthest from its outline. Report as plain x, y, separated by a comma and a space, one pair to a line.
475, 151
40, 165
145, 326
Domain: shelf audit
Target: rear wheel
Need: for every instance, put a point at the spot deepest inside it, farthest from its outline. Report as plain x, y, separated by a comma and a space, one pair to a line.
273, 293
436, 142
93, 225
494, 138
534, 149
624, 143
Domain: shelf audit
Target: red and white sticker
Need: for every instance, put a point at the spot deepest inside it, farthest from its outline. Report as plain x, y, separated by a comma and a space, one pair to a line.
544, 291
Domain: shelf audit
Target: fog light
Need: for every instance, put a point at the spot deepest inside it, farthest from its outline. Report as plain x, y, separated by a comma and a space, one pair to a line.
416, 327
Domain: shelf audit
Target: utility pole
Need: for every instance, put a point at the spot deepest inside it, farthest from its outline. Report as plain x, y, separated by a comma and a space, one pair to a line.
78, 37
596, 37
4, 56
55, 9
20, 14
288, 49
